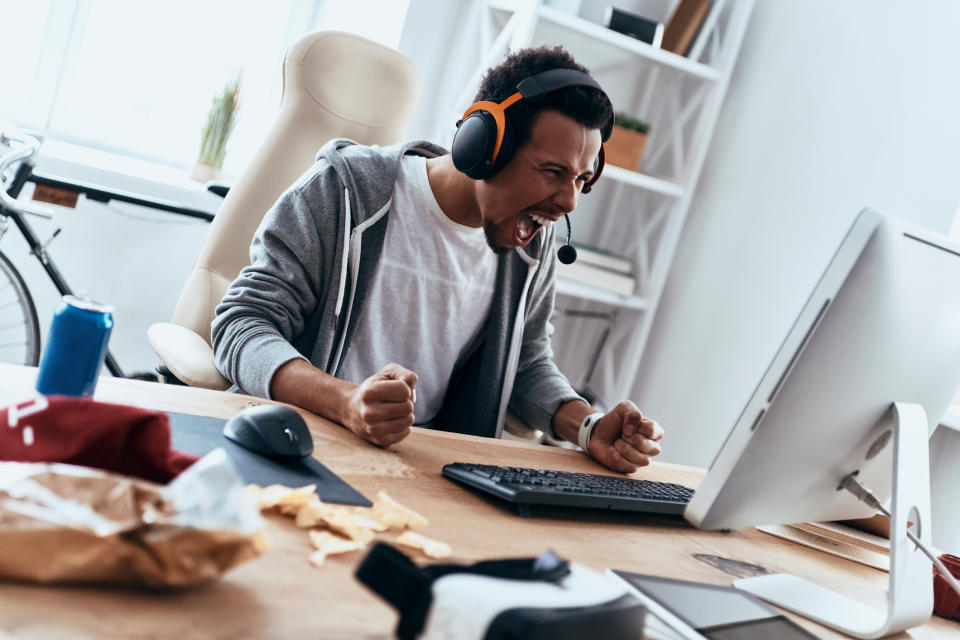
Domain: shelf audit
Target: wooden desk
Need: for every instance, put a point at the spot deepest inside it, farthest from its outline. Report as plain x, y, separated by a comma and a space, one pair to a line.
281, 596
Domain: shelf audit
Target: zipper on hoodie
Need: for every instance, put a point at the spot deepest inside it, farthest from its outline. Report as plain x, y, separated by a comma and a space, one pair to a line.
352, 250
343, 261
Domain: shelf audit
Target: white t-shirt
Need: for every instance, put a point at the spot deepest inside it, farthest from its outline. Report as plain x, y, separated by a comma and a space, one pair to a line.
430, 295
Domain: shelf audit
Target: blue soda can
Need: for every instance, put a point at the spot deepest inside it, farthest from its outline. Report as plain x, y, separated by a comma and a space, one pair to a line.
76, 345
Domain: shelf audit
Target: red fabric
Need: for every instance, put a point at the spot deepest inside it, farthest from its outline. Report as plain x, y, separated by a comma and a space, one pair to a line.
946, 601
81, 431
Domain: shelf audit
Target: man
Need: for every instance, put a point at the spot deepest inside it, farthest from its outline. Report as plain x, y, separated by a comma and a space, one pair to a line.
378, 256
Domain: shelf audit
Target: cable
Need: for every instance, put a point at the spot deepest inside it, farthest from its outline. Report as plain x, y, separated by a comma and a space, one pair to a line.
863, 494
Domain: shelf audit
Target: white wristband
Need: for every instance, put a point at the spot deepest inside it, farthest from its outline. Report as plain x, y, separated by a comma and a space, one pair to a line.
586, 430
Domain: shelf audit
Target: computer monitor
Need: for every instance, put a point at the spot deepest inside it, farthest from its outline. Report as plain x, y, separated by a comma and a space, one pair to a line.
882, 326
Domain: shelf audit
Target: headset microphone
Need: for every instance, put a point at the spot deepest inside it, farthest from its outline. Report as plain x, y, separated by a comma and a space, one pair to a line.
567, 253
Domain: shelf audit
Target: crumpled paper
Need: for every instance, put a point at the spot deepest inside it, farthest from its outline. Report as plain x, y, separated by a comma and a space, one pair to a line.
66, 523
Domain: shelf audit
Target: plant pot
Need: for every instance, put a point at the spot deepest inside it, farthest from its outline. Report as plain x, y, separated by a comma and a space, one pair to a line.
625, 148
205, 172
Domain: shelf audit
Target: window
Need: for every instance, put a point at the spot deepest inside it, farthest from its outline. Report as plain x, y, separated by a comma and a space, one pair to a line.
33, 44
137, 78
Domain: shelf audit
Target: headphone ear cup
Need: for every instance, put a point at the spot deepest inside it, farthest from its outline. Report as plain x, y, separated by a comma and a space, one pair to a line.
597, 170
473, 145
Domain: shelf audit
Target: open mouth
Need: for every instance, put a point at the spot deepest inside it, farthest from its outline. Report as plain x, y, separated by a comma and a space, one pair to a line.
527, 226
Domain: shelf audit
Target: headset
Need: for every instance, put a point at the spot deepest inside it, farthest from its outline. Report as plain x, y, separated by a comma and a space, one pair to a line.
483, 142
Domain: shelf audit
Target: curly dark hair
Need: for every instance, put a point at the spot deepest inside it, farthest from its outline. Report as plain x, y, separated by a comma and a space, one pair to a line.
585, 105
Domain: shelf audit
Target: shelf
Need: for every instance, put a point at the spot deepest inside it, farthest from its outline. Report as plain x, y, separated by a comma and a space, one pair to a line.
586, 292
642, 180
680, 95
120, 173
558, 26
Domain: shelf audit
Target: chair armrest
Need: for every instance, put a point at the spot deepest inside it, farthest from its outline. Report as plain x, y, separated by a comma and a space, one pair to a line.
187, 355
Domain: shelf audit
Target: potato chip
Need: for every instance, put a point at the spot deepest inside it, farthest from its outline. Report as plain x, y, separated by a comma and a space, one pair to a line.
294, 505
429, 546
310, 515
355, 525
394, 515
284, 499
342, 522
363, 519
327, 544
337, 518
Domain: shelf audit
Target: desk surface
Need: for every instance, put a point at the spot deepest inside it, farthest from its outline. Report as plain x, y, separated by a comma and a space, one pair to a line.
280, 595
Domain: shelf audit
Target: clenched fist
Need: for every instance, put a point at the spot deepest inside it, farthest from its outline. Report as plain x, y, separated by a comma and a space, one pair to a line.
624, 439
380, 410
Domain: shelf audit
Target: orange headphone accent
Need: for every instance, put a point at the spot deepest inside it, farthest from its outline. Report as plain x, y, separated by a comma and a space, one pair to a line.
496, 110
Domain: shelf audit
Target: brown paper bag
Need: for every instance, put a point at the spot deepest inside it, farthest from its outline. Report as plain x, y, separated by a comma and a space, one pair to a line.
65, 523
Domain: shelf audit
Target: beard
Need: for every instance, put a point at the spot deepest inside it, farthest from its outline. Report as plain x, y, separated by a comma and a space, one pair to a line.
490, 229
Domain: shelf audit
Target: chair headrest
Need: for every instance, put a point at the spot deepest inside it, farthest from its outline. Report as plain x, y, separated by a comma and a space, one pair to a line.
322, 68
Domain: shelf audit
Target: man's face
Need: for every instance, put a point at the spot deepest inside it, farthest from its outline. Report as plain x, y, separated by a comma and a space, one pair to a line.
540, 183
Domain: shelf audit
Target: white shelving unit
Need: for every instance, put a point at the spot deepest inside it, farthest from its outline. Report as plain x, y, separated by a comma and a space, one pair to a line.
636, 214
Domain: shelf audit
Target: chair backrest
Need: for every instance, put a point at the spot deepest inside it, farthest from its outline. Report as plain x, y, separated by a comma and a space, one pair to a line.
335, 85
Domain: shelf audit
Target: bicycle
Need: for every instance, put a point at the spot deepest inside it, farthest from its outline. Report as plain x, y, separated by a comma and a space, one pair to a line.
19, 323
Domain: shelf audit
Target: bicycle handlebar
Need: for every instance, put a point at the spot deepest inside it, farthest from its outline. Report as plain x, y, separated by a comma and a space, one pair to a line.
29, 148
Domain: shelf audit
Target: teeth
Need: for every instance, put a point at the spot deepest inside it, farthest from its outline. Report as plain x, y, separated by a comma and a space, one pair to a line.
541, 220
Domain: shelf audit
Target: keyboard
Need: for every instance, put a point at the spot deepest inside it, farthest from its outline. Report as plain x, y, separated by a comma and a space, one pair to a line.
529, 487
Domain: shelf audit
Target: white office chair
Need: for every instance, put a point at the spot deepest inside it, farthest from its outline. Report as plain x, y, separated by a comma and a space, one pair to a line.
335, 85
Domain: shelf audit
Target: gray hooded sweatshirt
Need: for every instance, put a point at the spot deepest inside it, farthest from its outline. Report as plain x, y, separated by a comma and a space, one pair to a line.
312, 263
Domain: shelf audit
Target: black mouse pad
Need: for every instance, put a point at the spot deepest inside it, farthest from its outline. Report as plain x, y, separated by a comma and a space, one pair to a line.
199, 435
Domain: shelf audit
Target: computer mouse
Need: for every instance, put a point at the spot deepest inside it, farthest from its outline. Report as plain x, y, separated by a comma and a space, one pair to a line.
271, 430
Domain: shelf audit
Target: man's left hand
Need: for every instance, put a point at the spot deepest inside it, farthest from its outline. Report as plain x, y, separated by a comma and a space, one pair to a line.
624, 440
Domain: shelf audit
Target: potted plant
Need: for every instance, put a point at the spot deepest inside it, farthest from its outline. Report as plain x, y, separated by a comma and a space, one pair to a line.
625, 146
220, 122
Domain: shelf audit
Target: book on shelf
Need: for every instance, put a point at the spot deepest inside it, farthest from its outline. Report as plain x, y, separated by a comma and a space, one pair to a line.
601, 258
684, 25
708, 26
584, 273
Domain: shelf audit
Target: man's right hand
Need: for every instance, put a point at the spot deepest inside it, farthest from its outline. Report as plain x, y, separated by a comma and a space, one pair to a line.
380, 410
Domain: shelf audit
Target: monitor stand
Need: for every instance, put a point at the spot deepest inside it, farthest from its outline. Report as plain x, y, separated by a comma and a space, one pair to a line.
910, 595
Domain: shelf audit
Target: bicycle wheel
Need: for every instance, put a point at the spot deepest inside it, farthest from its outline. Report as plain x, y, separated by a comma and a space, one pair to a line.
19, 327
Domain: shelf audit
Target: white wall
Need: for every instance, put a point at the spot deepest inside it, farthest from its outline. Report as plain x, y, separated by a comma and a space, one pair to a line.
430, 31
833, 106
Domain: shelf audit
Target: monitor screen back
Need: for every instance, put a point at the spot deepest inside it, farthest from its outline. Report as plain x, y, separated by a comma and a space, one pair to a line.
882, 326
